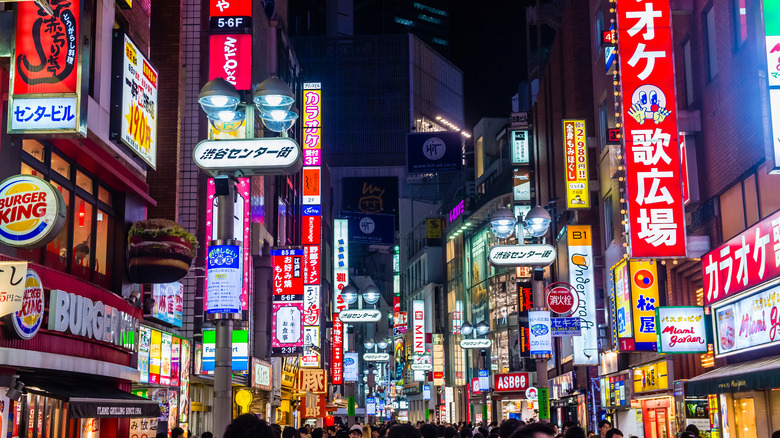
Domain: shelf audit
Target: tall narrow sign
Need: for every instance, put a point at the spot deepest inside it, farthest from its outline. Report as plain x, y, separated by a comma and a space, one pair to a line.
653, 176
340, 280
581, 276
575, 141
418, 326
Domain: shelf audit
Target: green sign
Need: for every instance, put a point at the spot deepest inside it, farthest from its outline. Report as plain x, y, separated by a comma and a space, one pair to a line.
544, 404
351, 406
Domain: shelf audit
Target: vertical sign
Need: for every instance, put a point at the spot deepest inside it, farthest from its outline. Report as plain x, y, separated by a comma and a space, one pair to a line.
484, 380
223, 279
230, 58
575, 138
623, 300
45, 73
340, 280
288, 307
653, 177
544, 403
311, 326
539, 323
520, 147
771, 10
418, 326
644, 299
586, 348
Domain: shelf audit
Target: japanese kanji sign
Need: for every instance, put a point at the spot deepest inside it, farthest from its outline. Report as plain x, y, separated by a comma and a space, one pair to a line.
313, 380
365, 315
644, 299
653, 180
771, 12
340, 280
522, 255
747, 260
681, 329
467, 343
287, 328
287, 272
256, 156
576, 148
562, 298
747, 323
43, 114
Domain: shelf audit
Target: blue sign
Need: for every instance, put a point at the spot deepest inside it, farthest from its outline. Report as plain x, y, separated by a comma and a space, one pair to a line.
311, 210
223, 280
431, 152
426, 392
371, 229
484, 380
566, 327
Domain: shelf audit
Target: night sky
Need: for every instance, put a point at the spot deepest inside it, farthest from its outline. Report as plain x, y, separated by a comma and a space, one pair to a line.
488, 44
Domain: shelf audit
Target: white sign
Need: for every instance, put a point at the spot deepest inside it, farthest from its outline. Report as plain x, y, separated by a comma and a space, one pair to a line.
586, 347
262, 375
224, 281
522, 255
418, 326
14, 285
484, 380
421, 366
256, 156
541, 332
340, 262
80, 316
519, 147
311, 338
139, 104
351, 370
365, 315
681, 330
370, 406
475, 343
32, 212
532, 393
44, 114
426, 392
747, 323
376, 357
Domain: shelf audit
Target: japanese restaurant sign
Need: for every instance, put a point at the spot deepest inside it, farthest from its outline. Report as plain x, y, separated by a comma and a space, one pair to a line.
230, 58
340, 280
743, 262
747, 323
286, 328
45, 76
229, 15
653, 176
288, 296
287, 266
681, 329
771, 12
575, 138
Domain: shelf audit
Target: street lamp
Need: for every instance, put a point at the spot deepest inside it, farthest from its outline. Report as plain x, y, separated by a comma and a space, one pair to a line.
371, 295
503, 223
349, 293
219, 100
274, 100
383, 344
482, 328
369, 343
466, 328
537, 221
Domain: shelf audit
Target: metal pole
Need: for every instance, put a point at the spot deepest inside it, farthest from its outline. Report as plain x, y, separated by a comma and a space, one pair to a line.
537, 287
223, 356
485, 421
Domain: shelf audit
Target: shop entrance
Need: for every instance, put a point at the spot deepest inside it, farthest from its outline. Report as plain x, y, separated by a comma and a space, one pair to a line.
656, 418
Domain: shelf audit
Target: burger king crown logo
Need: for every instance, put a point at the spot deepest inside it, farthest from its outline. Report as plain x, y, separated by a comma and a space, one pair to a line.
28, 320
30, 211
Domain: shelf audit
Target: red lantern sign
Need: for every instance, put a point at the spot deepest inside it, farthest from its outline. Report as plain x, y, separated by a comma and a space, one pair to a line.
562, 298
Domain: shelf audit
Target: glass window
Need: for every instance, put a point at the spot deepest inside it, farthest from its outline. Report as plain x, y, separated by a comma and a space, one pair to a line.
84, 182
609, 225
58, 250
103, 247
82, 234
60, 165
745, 418
598, 29
688, 73
769, 196
104, 196
712, 47
732, 212
27, 170
603, 123
35, 149
740, 21
751, 200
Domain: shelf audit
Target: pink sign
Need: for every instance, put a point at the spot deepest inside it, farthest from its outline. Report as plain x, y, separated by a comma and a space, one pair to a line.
230, 58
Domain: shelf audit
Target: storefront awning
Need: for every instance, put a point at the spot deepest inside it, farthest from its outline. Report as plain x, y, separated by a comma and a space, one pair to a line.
93, 399
745, 376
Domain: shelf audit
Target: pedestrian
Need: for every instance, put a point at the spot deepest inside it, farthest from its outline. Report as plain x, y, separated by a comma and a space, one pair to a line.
693, 429
508, 427
290, 432
317, 433
776, 434
207, 435
574, 432
366, 431
403, 431
534, 430
177, 432
604, 426
356, 431
616, 433
248, 426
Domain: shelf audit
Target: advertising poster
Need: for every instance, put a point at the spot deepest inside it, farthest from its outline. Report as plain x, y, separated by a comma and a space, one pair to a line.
747, 323
522, 184
370, 228
240, 351
432, 152
581, 276
175, 360
224, 279
681, 329
623, 300
644, 299
144, 347
520, 147
575, 139
540, 324
165, 354
155, 356
351, 368
287, 265
168, 302
287, 328
184, 398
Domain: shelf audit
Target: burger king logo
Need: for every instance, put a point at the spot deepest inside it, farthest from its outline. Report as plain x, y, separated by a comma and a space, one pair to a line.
27, 321
32, 212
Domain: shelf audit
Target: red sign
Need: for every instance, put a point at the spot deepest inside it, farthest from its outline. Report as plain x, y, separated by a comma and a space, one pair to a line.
230, 58
562, 298
310, 232
613, 135
337, 351
747, 260
655, 207
686, 192
288, 271
230, 8
46, 56
510, 382
311, 264
608, 37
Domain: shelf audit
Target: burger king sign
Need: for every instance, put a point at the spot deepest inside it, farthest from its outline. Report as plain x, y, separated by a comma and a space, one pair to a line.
27, 321
32, 212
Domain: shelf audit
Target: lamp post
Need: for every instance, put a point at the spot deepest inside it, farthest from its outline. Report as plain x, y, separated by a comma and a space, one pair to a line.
481, 329
220, 101
536, 224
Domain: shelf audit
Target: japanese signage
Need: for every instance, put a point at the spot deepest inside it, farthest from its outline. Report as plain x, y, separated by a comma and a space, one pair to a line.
311, 326
438, 359
582, 278
653, 180
747, 260
313, 380
561, 327
256, 156
521, 181
747, 323
311, 231
230, 58
168, 353
287, 266
644, 294
45, 67
223, 278
241, 228
240, 351
484, 380
287, 328
510, 382
623, 300
365, 315
681, 330
32, 212
519, 146
614, 392
522, 255
418, 326
428, 152
376, 357
262, 375
311, 304
575, 138
457, 211
351, 369
311, 264
544, 403
311, 186
68, 312
562, 298
168, 302
426, 392
340, 280
230, 15
541, 332
28, 319
312, 124
135, 124
771, 10
370, 406
467, 343
651, 377
13, 293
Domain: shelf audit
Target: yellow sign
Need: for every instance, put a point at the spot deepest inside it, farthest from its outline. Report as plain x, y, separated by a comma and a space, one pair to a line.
623, 300
651, 377
244, 399
312, 118
434, 228
234, 133
576, 148
313, 380
644, 300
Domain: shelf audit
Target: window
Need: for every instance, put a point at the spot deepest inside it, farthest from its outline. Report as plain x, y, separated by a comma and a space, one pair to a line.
84, 246
739, 207
688, 72
598, 29
769, 196
609, 224
740, 22
712, 47
603, 123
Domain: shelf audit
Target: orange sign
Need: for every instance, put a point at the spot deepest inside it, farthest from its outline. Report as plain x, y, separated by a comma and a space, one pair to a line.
313, 406
313, 380
311, 181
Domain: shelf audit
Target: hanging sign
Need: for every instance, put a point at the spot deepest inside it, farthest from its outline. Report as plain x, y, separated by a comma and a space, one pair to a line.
366, 315
475, 343
541, 332
376, 357
32, 212
582, 277
522, 255
247, 157
561, 327
562, 298
418, 326
577, 192
681, 329
28, 319
484, 380
224, 279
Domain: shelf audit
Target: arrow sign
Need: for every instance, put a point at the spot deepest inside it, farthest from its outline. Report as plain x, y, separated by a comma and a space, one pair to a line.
522, 255
251, 156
